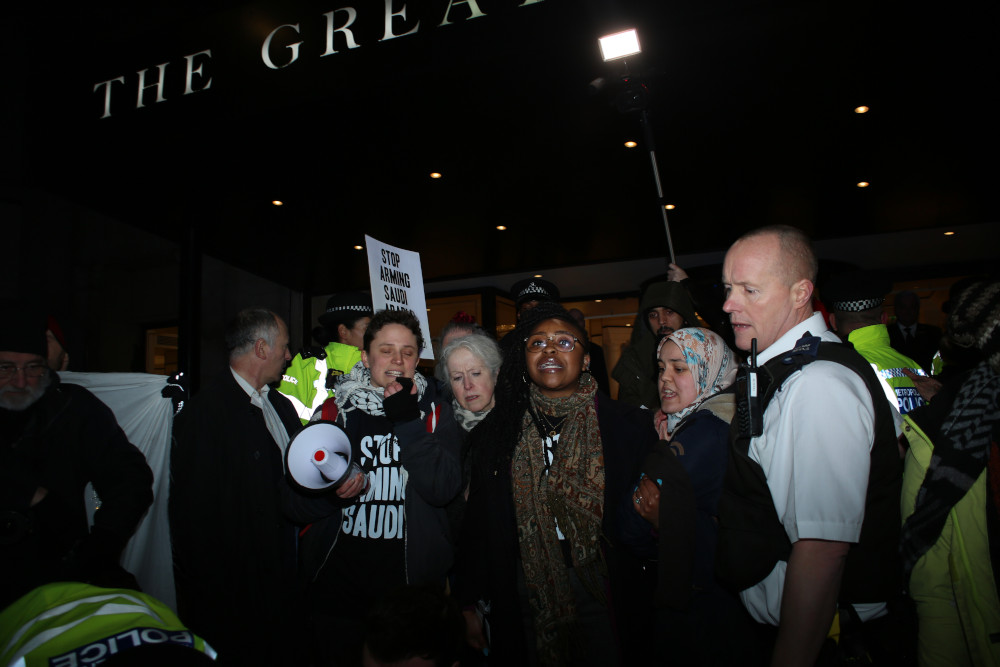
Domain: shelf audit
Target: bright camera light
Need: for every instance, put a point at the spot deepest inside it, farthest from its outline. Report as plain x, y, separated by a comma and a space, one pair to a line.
619, 45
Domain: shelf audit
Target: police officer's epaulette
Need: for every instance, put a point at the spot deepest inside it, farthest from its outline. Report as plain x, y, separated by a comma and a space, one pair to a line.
332, 374
313, 351
805, 351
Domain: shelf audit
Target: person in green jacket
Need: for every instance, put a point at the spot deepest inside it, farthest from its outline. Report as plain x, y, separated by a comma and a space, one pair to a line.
855, 300
312, 376
951, 498
70, 623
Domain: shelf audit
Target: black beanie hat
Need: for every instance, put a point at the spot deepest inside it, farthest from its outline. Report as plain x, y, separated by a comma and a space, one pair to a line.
23, 328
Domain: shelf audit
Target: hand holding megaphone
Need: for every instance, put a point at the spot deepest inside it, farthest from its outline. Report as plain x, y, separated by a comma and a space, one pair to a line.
319, 458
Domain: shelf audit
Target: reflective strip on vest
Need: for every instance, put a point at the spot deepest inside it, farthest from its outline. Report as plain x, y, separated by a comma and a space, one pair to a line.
322, 393
70, 623
105, 610
301, 409
890, 393
889, 373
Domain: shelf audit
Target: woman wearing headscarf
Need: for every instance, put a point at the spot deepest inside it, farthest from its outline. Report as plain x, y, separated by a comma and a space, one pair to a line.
697, 621
550, 463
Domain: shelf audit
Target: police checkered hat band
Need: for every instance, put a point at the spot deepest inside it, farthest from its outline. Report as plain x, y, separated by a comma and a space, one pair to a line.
346, 307
356, 308
534, 289
857, 305
855, 291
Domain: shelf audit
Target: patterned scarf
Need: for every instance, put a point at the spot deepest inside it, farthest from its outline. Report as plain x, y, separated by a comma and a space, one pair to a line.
572, 494
355, 392
467, 419
711, 364
958, 460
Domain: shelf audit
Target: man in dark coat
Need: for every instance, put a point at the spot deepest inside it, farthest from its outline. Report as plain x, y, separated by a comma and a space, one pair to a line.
910, 337
664, 307
231, 510
54, 439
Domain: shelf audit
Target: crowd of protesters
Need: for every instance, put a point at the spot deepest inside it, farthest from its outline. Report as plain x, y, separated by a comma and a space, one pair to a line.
785, 478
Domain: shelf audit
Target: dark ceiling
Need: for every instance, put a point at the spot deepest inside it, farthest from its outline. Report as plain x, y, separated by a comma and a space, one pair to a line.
751, 105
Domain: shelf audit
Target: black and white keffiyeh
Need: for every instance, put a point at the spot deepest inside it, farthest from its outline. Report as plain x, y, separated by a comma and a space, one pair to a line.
355, 392
960, 455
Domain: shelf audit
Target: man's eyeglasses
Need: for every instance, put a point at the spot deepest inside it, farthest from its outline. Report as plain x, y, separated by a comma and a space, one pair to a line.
562, 342
35, 370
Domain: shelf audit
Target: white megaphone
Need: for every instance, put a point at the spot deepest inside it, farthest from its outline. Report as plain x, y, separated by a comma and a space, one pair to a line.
319, 456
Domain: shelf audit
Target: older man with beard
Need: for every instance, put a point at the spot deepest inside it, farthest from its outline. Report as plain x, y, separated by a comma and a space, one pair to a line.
54, 439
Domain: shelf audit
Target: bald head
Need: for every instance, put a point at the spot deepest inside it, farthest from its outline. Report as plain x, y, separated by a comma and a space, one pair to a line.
763, 298
798, 260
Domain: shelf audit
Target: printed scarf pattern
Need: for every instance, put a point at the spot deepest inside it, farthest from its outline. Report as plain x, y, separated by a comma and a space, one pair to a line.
467, 419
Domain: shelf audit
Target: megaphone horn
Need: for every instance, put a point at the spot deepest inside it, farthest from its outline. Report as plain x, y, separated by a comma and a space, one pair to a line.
319, 456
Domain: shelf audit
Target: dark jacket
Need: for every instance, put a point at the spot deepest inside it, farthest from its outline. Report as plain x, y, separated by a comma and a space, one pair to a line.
489, 555
428, 452
65, 440
233, 543
689, 469
921, 347
635, 371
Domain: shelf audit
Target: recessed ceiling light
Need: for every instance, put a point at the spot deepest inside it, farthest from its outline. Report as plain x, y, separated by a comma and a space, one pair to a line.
597, 300
630, 144
502, 228
669, 207
537, 275
863, 184
277, 202
861, 109
949, 233
435, 174
359, 247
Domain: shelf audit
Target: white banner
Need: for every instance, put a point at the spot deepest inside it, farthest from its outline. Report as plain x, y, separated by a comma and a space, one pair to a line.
398, 284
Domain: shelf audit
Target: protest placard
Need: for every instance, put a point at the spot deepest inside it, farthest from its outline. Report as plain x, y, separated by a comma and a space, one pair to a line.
398, 283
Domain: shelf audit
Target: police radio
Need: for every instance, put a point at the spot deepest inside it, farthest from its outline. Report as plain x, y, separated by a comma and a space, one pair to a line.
750, 387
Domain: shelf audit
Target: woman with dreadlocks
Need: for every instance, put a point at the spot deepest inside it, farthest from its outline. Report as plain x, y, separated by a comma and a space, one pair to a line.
538, 550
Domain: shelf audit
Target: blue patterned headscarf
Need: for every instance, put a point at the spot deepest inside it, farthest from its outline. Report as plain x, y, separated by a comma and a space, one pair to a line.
710, 361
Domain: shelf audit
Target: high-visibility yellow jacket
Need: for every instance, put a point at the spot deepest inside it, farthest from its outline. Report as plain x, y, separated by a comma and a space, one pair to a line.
69, 623
305, 381
953, 584
872, 343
